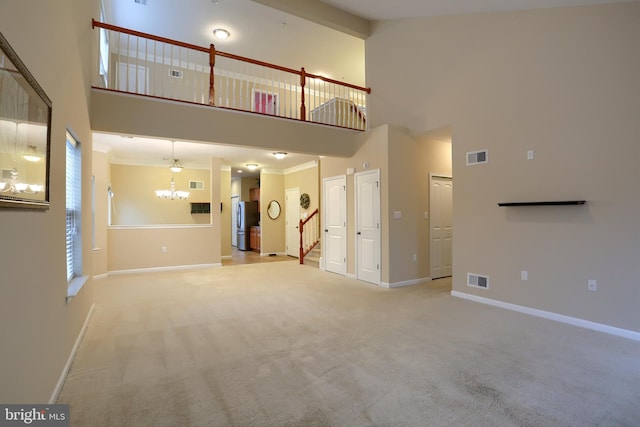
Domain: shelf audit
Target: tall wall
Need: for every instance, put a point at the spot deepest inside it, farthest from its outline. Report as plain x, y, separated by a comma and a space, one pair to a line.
563, 83
39, 328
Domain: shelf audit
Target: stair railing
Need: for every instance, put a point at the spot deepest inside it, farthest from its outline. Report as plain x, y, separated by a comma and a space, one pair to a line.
309, 234
145, 64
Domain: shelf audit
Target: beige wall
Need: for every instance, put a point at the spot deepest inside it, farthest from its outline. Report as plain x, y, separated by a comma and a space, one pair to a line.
225, 215
101, 170
307, 181
139, 248
373, 150
273, 231
39, 327
136, 203
570, 93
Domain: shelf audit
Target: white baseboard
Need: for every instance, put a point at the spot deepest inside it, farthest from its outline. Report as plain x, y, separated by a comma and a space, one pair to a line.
100, 276
159, 269
67, 366
612, 330
226, 257
352, 276
404, 283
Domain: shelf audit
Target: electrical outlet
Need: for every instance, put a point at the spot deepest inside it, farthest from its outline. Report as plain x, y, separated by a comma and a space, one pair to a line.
524, 275
530, 155
415, 257
592, 285
164, 249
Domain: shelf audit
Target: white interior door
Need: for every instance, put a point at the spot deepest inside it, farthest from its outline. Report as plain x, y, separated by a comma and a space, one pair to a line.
335, 224
234, 220
368, 240
292, 217
441, 226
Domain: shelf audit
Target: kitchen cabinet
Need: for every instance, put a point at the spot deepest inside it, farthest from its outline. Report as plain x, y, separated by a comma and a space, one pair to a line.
254, 196
254, 239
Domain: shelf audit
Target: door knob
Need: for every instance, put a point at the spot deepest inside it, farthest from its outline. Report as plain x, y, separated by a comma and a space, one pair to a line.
326, 231
358, 233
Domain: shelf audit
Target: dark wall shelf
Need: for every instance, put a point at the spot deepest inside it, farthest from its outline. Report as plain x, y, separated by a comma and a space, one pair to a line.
548, 203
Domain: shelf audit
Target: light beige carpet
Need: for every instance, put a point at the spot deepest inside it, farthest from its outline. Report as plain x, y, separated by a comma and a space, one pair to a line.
280, 344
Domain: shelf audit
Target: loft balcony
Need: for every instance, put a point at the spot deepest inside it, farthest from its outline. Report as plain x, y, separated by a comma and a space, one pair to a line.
157, 68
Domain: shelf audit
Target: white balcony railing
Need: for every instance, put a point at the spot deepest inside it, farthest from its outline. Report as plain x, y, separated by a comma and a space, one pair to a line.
144, 64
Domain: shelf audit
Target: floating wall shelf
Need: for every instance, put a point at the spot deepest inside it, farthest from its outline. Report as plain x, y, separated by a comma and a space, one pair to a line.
551, 203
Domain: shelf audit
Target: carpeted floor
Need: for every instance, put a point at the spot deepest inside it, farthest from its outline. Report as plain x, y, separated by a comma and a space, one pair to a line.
279, 344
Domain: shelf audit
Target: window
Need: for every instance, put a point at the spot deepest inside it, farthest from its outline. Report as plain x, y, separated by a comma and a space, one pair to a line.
74, 211
104, 50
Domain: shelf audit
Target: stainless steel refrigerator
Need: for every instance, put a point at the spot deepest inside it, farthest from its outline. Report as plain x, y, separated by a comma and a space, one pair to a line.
247, 217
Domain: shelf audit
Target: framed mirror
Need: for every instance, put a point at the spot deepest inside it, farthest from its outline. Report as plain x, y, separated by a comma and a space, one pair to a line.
25, 135
273, 209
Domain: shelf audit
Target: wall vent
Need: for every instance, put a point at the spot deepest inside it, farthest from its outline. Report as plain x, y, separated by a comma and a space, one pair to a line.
142, 2
196, 185
176, 74
6, 173
477, 281
477, 157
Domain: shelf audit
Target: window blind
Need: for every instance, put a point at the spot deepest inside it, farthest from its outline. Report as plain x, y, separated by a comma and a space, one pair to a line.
73, 210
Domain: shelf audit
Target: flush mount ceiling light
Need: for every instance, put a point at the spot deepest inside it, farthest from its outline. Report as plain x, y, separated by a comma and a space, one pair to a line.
279, 155
251, 166
30, 154
221, 33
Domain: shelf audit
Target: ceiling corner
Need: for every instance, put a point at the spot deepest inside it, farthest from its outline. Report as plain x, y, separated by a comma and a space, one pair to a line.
323, 14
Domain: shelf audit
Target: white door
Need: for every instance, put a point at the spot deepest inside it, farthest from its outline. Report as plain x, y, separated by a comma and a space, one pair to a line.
292, 216
335, 224
368, 240
441, 226
234, 220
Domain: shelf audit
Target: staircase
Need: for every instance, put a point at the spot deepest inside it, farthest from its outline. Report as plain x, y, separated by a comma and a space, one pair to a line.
312, 259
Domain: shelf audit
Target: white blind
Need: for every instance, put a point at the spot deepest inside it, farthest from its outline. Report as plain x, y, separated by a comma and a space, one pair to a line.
73, 204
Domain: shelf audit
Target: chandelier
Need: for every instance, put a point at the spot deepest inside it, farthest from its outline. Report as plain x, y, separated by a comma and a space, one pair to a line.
15, 187
172, 194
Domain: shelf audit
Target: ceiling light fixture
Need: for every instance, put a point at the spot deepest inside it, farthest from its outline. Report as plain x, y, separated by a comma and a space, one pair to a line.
252, 166
172, 194
15, 187
31, 155
221, 33
279, 155
175, 166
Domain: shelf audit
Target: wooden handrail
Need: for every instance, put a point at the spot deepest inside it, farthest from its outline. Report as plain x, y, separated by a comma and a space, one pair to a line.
99, 24
301, 225
306, 103
301, 73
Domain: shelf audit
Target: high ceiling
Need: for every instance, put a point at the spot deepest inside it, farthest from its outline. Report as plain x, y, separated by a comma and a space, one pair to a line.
400, 9
268, 30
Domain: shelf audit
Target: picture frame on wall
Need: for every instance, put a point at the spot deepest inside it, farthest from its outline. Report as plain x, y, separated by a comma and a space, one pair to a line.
25, 135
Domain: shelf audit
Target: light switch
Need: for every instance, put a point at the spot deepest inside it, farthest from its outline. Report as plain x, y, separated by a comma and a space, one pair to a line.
397, 214
530, 155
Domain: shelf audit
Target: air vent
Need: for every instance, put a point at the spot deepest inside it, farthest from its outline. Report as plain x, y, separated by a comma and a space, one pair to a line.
176, 74
6, 174
196, 185
477, 157
142, 2
477, 281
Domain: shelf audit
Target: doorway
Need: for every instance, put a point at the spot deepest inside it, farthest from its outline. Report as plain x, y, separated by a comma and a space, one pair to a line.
335, 224
292, 218
441, 225
368, 238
